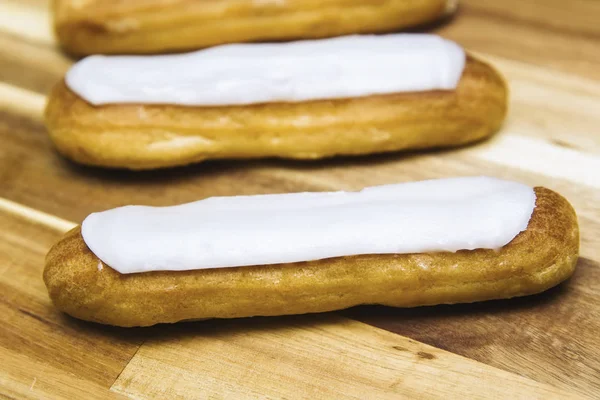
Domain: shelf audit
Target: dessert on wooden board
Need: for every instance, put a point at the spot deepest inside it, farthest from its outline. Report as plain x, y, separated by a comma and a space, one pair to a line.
158, 26
423, 243
304, 100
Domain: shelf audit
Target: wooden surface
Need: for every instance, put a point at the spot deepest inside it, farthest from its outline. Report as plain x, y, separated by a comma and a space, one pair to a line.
537, 347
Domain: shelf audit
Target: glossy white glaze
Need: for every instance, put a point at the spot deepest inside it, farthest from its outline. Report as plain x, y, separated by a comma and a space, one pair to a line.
429, 216
239, 74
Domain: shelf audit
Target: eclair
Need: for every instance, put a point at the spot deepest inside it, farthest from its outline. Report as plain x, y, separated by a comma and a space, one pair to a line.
434, 242
304, 100
159, 26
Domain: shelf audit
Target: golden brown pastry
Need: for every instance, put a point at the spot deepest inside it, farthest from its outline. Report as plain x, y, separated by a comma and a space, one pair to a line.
152, 136
158, 26
538, 258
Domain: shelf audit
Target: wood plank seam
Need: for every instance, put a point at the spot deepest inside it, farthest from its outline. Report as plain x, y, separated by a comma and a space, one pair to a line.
413, 360
22, 101
111, 388
28, 21
36, 216
541, 156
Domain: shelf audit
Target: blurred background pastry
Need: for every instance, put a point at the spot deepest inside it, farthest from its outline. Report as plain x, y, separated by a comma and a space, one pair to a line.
156, 26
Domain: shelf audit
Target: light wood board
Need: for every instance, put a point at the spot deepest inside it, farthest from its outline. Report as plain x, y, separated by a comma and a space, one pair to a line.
543, 346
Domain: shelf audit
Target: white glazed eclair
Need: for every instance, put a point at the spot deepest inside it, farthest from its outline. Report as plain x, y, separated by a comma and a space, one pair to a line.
158, 26
304, 100
432, 242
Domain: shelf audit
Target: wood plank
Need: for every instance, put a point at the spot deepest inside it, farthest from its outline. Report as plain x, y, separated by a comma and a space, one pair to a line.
548, 140
28, 19
557, 107
578, 17
22, 377
316, 357
30, 65
44, 353
557, 329
556, 34
35, 216
541, 157
21, 102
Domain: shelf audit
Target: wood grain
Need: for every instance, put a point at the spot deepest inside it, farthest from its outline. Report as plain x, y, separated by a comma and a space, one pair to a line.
28, 19
44, 353
557, 34
243, 359
557, 328
549, 52
30, 65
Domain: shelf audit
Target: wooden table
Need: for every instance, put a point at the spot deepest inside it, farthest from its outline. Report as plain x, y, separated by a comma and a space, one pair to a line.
537, 347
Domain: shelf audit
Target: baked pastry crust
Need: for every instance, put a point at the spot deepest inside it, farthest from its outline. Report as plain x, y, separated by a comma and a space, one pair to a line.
538, 258
138, 136
157, 26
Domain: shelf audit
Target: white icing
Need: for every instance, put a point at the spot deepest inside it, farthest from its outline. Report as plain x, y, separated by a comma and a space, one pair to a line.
437, 215
237, 74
